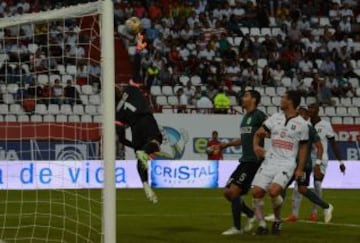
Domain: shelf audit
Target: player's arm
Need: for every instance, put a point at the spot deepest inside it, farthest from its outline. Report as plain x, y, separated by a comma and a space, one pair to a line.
336, 150
319, 155
259, 135
233, 143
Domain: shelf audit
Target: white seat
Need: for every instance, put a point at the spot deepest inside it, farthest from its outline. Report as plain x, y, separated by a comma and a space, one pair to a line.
43, 79
310, 100
4, 109
40, 109
25, 67
53, 77
336, 120
275, 31
255, 31
184, 79
270, 91
324, 21
348, 120
84, 99
326, 118
131, 50
99, 109
86, 118
335, 100
65, 109
98, 119
91, 109
233, 101
155, 90
286, 82
74, 118
260, 90
280, 91
32, 47
71, 69
36, 118
195, 80
266, 101
120, 28
61, 118
61, 69
262, 62
276, 100
161, 100
3, 89
8, 98
230, 39
65, 78
53, 109
346, 101
245, 30
237, 41
87, 89
262, 108
307, 82
95, 99
10, 118
330, 111
356, 101
49, 118
78, 109
354, 82
341, 111
271, 110
167, 90
265, 31
16, 109
12, 88
357, 120
172, 100
321, 111
23, 118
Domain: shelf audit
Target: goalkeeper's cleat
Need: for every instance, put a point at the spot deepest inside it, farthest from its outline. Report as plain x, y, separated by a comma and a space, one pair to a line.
270, 218
261, 231
150, 194
276, 228
328, 213
143, 158
232, 231
250, 224
292, 218
313, 217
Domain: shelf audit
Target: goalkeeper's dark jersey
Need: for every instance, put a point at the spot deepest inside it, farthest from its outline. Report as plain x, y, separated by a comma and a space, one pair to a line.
313, 137
131, 106
250, 123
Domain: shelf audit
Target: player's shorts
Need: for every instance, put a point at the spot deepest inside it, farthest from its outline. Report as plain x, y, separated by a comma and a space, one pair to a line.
274, 172
243, 175
145, 130
303, 181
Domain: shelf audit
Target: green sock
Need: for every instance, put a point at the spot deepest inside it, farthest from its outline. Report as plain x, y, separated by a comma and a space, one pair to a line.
315, 199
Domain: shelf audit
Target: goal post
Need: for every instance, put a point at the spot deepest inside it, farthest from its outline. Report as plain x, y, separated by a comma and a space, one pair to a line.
44, 123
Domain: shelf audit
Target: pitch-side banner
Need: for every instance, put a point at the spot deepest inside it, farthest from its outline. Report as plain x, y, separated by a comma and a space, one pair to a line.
30, 175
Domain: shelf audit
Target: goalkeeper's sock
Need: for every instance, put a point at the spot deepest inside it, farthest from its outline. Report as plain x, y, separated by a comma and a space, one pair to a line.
236, 212
143, 173
246, 210
316, 199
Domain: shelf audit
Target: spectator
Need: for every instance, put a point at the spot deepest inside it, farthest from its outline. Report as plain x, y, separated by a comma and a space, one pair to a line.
57, 93
47, 92
204, 104
221, 102
152, 74
71, 94
34, 90
327, 67
21, 93
276, 75
213, 147
183, 101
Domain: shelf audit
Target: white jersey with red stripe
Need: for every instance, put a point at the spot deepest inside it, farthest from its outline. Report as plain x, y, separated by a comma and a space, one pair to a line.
286, 135
325, 131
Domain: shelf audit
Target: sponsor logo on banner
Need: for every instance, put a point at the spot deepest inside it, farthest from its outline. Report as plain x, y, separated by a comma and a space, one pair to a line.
348, 137
174, 141
200, 145
184, 174
70, 152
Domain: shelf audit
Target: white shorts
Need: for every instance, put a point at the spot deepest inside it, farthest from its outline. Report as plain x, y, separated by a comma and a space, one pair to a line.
323, 166
274, 172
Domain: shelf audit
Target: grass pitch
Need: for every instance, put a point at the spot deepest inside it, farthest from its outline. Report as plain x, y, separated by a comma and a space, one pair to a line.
182, 215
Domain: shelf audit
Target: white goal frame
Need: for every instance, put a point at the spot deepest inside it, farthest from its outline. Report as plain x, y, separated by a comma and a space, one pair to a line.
105, 10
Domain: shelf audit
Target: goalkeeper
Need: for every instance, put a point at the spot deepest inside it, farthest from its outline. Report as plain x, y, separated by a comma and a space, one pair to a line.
133, 110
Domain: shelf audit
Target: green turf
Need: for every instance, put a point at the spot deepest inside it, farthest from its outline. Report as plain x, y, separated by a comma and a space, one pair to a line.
182, 215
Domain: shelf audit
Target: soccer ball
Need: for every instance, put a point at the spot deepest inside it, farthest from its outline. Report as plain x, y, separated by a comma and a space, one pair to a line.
133, 25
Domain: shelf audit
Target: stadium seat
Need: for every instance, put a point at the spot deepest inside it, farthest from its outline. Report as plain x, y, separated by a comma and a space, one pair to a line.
65, 78
161, 100
255, 31
4, 109
307, 82
280, 91
353, 111
49, 118
321, 111
262, 108
172, 100
120, 28
40, 109
16, 109
155, 90
78, 109
310, 100
357, 120
61, 118
346, 101
65, 109
237, 41
131, 50
233, 101
272, 21
184, 79
36, 118
341, 111
266, 101
354, 82
12, 88
336, 120
348, 120
25, 67
99, 109
98, 119
3, 89
236, 88
358, 91
230, 39
95, 99
265, 31
87, 89
244, 30
10, 118
276, 100
74, 118
318, 62
23, 118
271, 110
260, 90
8, 98
86, 118
356, 101
84, 99
167, 90
286, 82
32, 47
270, 91
61, 69
324, 21
330, 111
53, 109
336, 101
53, 77
43, 79
195, 80
91, 109
262, 62
275, 31
71, 69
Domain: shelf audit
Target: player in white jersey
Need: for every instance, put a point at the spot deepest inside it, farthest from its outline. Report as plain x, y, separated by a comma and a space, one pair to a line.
327, 135
288, 133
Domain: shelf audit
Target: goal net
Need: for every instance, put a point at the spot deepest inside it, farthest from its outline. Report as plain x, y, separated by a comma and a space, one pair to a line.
52, 173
